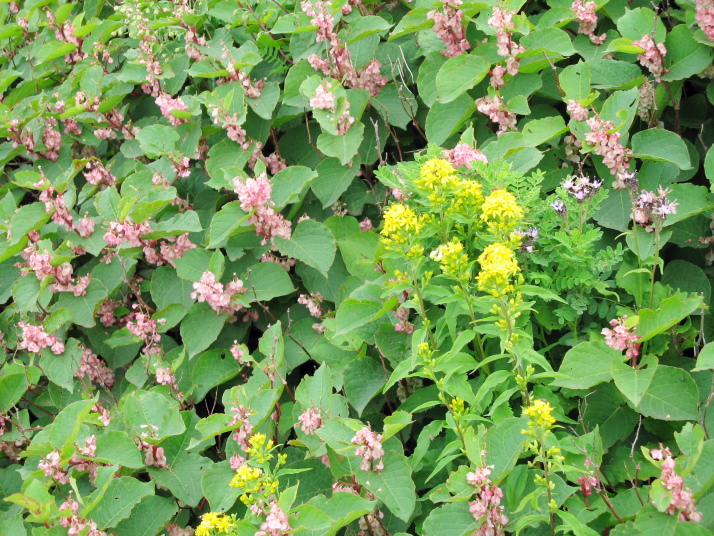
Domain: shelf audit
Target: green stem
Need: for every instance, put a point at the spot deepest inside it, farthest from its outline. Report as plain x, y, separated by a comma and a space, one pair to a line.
655, 263
422, 308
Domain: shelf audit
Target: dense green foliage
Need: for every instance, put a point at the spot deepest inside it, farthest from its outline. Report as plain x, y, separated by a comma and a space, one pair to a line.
317, 268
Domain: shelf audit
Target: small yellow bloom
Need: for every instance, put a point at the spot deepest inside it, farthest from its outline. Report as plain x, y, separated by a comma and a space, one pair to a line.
468, 198
437, 178
211, 521
400, 222
501, 210
498, 265
245, 474
540, 415
454, 262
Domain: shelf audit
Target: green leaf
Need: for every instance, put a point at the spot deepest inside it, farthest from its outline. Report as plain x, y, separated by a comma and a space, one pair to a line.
575, 81
186, 222
354, 313
311, 243
364, 378
451, 519
214, 484
393, 485
685, 56
633, 383
505, 444
117, 448
585, 365
201, 327
229, 221
662, 145
705, 359
157, 140
343, 147
553, 40
60, 369
691, 200
142, 408
168, 288
54, 50
672, 396
148, 517
183, 477
84, 308
414, 21
636, 23
444, 120
332, 180
117, 501
671, 311
211, 369
12, 387
289, 183
267, 280
458, 75
27, 218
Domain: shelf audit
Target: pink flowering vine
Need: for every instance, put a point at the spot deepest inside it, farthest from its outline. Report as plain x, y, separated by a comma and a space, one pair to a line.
620, 337
313, 303
35, 338
95, 369
463, 154
652, 56
495, 109
74, 523
587, 20
243, 433
309, 421
222, 299
370, 448
254, 195
485, 508
448, 24
168, 104
705, 17
616, 157
276, 522
577, 111
682, 503
650, 208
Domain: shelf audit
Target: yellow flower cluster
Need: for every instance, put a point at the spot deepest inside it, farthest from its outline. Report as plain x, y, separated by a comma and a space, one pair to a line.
457, 407
468, 198
211, 521
454, 262
435, 174
400, 222
540, 416
245, 477
498, 265
501, 211
259, 448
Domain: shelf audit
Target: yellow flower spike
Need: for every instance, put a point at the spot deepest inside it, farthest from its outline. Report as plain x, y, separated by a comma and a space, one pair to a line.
501, 211
454, 262
400, 222
498, 265
540, 416
211, 521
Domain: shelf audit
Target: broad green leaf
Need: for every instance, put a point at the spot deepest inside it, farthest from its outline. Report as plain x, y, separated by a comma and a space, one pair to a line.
183, 477
444, 120
201, 327
459, 74
60, 369
84, 308
168, 288
685, 56
670, 312
394, 485
148, 517
636, 23
267, 280
289, 183
12, 388
451, 519
157, 140
633, 383
343, 147
504, 444
585, 365
311, 243
662, 145
672, 396
212, 368
575, 81
364, 378
117, 448
332, 180
214, 484
141, 409
117, 501
705, 359
230, 220
54, 50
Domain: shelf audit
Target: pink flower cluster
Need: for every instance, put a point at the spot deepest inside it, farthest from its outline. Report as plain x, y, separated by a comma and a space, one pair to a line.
174, 530
620, 337
276, 522
55, 204
576, 111
141, 325
220, 298
587, 483
165, 377
646, 106
502, 21
682, 502
40, 264
254, 195
581, 187
587, 19
154, 456
370, 448
168, 104
106, 312
340, 67
50, 464
35, 338
463, 154
52, 139
371, 524
607, 144
652, 56
310, 420
650, 208
95, 369
98, 174
75, 524
486, 506
89, 450
496, 111
65, 34
449, 26
402, 314
313, 303
192, 39
324, 99
705, 17
129, 233
242, 434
